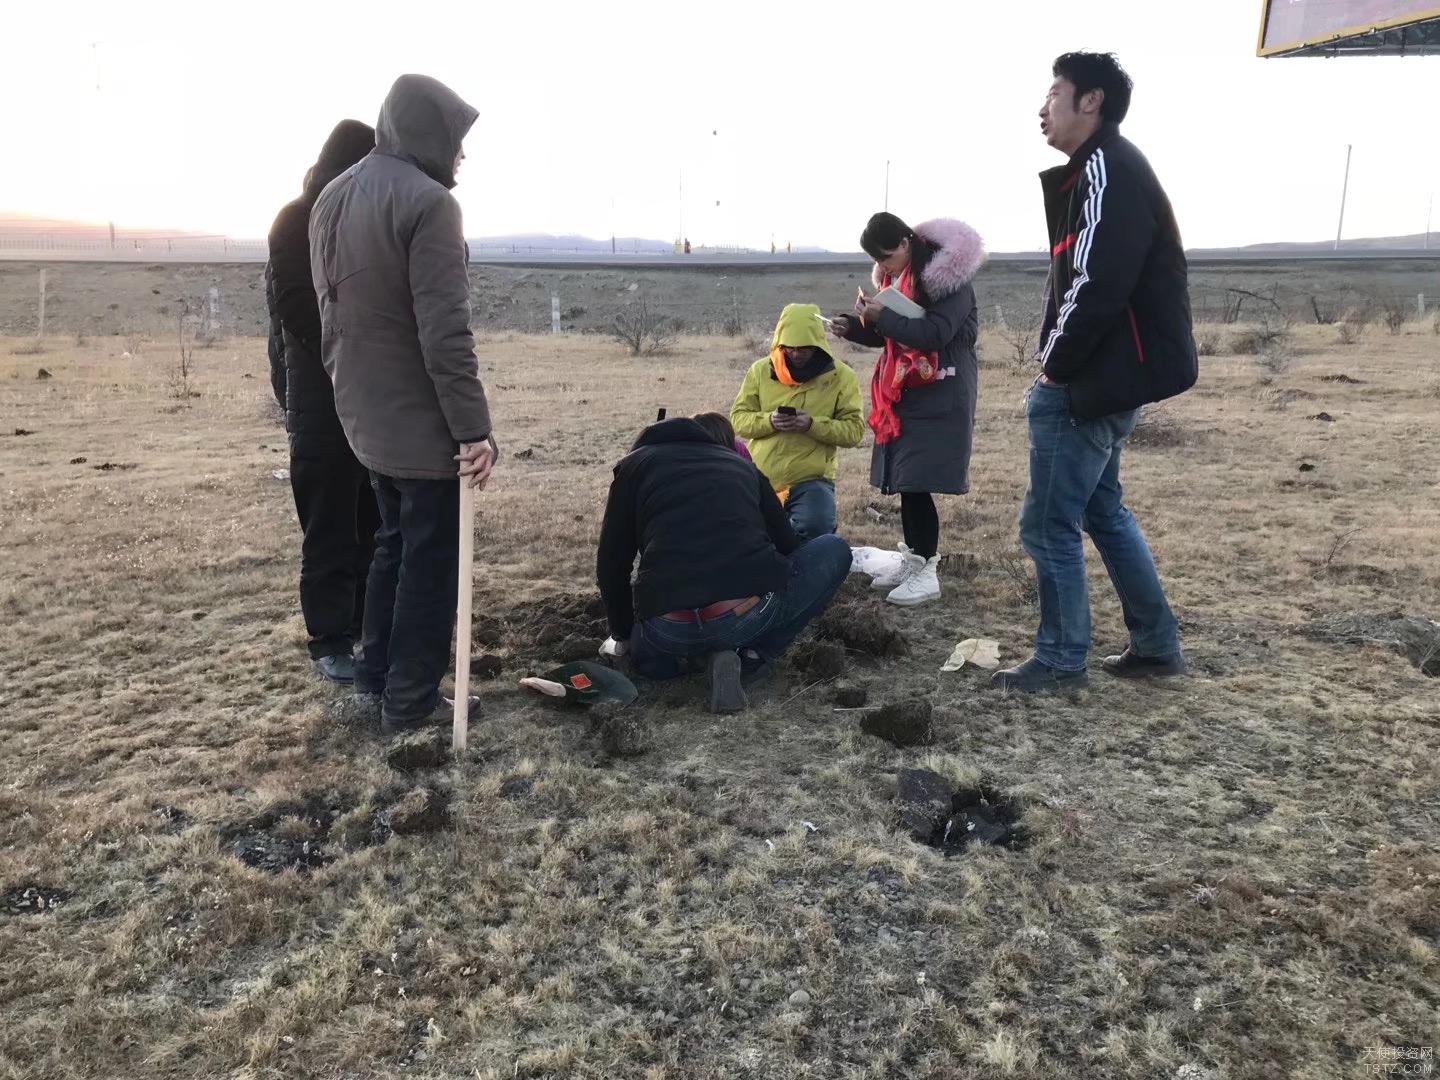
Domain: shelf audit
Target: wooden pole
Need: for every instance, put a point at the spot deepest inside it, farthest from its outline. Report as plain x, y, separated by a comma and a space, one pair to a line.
463, 640
40, 331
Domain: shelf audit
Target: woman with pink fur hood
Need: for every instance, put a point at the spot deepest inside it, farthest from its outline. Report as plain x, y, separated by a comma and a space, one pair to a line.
923, 391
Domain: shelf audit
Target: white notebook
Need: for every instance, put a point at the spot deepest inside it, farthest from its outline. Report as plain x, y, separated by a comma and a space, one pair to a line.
899, 303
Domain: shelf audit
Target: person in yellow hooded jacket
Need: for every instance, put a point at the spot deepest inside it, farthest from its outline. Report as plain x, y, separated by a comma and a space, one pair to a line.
797, 407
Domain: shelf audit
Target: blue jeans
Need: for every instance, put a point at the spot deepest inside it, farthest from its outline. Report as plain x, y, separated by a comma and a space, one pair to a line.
410, 595
1075, 483
811, 508
659, 647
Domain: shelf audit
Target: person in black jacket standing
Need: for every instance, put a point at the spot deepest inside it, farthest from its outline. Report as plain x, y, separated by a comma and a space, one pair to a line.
332, 489
722, 575
1117, 335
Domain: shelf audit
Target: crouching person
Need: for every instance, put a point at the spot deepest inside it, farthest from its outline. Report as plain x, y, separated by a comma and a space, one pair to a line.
724, 581
797, 407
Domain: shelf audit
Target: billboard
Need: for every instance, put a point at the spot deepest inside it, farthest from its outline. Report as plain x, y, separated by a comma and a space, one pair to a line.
1325, 27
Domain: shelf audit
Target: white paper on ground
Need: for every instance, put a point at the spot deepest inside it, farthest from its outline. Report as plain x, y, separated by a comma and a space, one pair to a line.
873, 560
982, 652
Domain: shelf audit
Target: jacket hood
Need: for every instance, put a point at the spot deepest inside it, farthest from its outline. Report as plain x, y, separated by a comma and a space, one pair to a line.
348, 143
959, 255
800, 325
681, 429
424, 122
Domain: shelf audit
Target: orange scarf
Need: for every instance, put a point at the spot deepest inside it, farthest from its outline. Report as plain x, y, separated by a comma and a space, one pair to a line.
782, 369
900, 366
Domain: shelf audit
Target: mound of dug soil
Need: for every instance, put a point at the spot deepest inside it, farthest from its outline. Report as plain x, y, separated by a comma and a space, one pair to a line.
934, 812
559, 628
1415, 636
862, 627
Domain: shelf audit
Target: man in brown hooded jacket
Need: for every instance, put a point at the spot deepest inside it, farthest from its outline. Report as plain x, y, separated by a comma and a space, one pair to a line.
388, 259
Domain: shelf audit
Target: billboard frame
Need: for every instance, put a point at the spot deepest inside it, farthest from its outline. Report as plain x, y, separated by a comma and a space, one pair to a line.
1316, 46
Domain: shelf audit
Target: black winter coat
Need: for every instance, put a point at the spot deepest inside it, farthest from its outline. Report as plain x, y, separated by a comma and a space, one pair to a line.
309, 396
1117, 328
704, 521
937, 420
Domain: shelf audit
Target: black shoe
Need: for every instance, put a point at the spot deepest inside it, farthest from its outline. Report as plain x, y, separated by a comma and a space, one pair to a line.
338, 668
1034, 676
727, 693
1131, 665
442, 714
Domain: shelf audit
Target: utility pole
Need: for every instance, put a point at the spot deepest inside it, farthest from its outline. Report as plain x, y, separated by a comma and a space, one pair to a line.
1344, 193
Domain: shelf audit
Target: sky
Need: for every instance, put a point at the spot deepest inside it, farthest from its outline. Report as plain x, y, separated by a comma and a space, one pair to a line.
730, 123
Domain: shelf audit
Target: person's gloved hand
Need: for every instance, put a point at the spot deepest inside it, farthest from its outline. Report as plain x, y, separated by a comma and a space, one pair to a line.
611, 647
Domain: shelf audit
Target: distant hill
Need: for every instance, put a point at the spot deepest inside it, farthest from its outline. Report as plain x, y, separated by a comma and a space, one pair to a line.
16, 226
1413, 242
541, 242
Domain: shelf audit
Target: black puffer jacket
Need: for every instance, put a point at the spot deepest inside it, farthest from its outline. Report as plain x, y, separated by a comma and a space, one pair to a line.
937, 420
309, 397
1117, 328
706, 525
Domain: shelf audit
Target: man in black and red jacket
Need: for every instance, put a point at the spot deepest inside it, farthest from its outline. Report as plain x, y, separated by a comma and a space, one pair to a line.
1117, 335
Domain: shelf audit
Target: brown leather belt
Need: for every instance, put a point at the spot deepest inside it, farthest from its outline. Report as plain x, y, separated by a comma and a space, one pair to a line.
713, 611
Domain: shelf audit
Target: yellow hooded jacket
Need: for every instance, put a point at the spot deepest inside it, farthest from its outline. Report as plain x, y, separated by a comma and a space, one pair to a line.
832, 400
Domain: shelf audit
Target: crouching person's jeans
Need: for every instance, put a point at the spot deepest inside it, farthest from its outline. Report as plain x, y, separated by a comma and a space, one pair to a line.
660, 647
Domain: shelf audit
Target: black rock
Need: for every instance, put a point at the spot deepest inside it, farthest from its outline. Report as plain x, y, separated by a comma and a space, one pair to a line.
925, 802
904, 723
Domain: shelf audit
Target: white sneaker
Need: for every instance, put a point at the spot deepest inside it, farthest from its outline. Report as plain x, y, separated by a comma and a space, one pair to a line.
922, 582
890, 578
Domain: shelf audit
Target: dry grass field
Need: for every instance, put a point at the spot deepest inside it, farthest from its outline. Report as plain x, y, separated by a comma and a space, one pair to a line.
202, 874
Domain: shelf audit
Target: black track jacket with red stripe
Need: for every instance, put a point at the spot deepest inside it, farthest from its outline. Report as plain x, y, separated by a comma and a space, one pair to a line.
1117, 328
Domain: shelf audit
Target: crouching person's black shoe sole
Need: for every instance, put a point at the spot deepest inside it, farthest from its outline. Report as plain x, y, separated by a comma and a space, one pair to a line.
1131, 665
727, 692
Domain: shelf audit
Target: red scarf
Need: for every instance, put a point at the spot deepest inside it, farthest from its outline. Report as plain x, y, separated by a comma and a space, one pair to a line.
900, 366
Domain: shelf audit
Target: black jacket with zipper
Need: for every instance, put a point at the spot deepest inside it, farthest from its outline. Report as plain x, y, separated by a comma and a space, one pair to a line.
1117, 329
705, 522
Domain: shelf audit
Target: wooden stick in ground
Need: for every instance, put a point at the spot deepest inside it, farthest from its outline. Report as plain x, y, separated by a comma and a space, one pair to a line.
462, 617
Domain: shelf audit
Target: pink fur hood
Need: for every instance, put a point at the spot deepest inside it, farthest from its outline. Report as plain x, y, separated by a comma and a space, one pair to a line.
958, 256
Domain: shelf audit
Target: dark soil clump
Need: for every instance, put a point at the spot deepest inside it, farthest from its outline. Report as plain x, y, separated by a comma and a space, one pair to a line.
904, 723
934, 813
